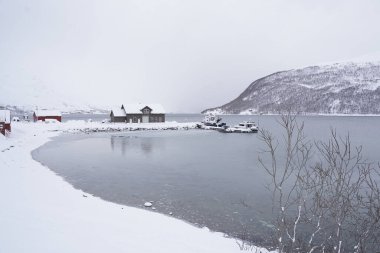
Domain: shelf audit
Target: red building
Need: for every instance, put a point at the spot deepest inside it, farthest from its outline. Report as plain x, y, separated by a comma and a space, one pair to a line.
47, 114
5, 121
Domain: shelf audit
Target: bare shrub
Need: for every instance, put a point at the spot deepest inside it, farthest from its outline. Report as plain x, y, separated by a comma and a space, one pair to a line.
325, 197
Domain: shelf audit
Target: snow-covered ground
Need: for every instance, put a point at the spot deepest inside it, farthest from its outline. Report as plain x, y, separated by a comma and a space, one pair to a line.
40, 212
83, 126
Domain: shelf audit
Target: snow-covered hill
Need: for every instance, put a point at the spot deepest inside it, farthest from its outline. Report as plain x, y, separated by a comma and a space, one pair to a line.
347, 88
36, 95
24, 93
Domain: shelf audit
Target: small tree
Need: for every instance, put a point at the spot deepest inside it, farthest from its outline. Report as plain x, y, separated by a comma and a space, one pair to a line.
325, 197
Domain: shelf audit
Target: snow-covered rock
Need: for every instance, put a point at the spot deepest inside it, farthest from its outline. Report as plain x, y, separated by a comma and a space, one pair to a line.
148, 204
341, 88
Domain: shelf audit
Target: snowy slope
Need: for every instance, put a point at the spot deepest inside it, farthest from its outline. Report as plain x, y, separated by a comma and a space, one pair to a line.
31, 93
350, 88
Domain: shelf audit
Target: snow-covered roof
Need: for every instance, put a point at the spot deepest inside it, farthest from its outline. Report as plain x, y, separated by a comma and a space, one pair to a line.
46, 113
136, 108
118, 112
5, 116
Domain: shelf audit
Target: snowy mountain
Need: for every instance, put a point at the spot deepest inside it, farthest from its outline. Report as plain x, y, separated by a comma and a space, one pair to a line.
29, 95
341, 88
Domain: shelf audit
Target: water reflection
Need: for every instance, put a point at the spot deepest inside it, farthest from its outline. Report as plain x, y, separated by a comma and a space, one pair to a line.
131, 144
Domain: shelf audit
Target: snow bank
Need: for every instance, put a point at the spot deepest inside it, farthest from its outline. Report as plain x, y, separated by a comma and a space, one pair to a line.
83, 126
42, 213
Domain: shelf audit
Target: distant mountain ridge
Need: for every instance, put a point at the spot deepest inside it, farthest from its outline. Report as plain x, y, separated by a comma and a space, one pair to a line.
341, 88
24, 96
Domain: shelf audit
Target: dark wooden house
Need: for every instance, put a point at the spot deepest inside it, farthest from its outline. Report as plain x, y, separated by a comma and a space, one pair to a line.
118, 115
47, 114
5, 121
138, 113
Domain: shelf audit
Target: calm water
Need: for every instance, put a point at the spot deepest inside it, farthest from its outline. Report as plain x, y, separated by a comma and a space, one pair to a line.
204, 177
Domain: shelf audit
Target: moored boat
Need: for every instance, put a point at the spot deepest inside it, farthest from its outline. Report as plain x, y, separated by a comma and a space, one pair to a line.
243, 127
212, 121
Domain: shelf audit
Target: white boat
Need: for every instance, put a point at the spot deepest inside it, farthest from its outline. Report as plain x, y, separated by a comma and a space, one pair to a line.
243, 127
211, 121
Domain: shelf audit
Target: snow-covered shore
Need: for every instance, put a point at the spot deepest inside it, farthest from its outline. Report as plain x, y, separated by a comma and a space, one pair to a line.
40, 212
88, 127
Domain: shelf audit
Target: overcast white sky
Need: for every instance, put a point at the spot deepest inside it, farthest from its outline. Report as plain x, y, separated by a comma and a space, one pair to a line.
186, 55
